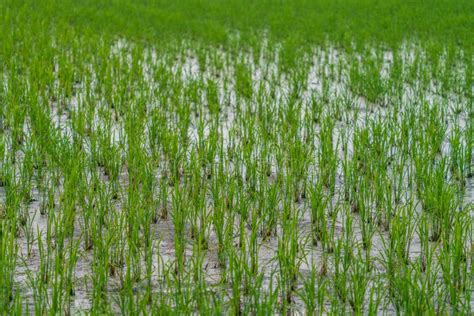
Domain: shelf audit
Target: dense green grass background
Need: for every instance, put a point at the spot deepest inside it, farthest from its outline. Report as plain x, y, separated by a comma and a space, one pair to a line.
303, 21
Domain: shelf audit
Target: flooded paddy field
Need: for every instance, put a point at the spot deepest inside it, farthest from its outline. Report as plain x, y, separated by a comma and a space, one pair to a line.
259, 175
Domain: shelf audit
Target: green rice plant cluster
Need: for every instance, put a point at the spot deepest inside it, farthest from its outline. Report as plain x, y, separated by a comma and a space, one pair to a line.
236, 157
